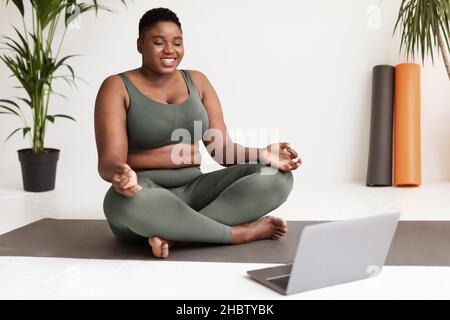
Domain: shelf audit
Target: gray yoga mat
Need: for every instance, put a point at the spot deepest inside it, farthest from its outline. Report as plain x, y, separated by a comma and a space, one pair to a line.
418, 243
379, 169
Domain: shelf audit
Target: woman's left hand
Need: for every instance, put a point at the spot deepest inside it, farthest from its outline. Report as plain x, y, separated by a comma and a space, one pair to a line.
281, 156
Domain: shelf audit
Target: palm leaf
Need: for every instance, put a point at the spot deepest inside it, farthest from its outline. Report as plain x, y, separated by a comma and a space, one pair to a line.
420, 22
25, 130
11, 110
27, 101
19, 5
51, 118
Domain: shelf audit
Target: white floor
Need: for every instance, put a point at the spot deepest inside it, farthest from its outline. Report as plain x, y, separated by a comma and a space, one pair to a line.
55, 278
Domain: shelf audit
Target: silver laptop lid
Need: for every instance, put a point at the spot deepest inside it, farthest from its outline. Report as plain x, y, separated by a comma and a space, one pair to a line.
341, 251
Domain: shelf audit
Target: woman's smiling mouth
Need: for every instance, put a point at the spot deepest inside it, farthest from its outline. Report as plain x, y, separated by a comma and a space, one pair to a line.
168, 62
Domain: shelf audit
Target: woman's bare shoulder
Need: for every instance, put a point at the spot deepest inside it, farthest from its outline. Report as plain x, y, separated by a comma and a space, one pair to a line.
115, 80
196, 74
112, 82
113, 88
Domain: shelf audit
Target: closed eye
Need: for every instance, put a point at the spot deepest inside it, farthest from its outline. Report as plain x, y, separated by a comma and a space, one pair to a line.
160, 43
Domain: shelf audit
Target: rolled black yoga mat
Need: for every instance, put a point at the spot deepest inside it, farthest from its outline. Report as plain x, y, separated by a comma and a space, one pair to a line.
379, 169
416, 243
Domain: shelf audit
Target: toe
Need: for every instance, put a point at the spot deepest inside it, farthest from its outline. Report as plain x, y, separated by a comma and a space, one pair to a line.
281, 228
165, 250
156, 252
279, 222
152, 240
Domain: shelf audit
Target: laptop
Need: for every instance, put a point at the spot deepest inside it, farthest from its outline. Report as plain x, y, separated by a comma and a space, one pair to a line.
332, 253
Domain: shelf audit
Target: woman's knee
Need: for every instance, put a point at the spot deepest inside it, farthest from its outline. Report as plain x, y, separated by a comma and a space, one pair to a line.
274, 183
118, 207
111, 204
246, 169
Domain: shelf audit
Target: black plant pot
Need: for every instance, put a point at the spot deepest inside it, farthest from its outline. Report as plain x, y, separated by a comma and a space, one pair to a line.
38, 169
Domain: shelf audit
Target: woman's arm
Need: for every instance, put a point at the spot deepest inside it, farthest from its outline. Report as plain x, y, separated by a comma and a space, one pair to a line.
225, 151
165, 157
110, 127
111, 137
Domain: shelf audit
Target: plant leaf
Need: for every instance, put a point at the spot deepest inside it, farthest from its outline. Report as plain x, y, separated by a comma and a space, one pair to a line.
10, 110
25, 130
420, 22
50, 118
64, 116
19, 5
12, 134
10, 102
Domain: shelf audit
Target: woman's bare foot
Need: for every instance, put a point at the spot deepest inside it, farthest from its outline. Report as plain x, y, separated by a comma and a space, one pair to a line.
263, 228
160, 247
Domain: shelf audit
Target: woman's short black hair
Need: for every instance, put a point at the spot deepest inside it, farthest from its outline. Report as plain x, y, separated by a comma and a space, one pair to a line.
153, 16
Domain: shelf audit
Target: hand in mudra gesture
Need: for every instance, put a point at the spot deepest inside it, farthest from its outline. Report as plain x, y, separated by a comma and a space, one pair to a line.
281, 156
124, 180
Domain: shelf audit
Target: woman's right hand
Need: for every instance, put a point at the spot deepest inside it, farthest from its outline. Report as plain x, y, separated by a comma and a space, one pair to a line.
124, 180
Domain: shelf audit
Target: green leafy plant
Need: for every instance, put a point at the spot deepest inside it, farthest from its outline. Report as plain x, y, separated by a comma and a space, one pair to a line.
425, 25
36, 66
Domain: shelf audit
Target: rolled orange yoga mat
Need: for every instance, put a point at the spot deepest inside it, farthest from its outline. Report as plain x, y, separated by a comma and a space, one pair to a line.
407, 160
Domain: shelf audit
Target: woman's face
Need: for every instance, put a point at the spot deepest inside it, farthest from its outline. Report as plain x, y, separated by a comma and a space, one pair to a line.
161, 47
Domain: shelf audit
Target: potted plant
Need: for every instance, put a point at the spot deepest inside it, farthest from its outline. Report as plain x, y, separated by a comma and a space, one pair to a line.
34, 63
425, 25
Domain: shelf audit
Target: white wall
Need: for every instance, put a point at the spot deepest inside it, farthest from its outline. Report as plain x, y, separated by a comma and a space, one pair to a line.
302, 67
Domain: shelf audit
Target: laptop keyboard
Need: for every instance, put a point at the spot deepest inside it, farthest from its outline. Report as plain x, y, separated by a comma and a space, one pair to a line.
282, 282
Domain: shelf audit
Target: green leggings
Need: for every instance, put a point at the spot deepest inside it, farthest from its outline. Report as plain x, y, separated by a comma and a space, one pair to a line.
202, 210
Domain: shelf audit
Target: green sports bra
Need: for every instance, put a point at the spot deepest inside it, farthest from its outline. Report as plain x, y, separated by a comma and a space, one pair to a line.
151, 124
